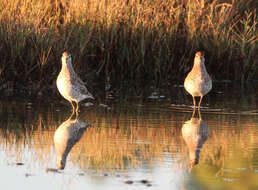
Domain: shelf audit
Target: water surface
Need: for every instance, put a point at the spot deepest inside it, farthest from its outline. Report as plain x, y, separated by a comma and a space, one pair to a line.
142, 143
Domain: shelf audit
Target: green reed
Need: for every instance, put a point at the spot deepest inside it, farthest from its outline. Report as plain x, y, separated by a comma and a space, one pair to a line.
148, 42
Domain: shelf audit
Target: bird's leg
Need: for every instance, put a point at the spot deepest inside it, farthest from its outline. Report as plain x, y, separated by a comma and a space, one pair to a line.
73, 107
199, 106
200, 115
77, 108
70, 116
194, 102
76, 116
193, 112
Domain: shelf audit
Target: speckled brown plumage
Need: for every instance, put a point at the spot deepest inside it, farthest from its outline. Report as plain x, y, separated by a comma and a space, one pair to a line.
198, 82
69, 84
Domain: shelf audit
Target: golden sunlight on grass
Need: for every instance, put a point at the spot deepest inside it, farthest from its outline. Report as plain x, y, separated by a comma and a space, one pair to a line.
131, 40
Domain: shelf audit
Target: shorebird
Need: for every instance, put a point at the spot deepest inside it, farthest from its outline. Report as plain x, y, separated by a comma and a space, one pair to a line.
69, 84
198, 82
66, 136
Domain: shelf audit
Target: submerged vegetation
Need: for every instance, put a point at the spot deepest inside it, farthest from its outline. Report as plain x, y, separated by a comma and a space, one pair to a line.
152, 42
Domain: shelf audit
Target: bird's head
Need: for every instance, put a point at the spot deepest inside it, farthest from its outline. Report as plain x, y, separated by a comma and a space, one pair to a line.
199, 56
66, 58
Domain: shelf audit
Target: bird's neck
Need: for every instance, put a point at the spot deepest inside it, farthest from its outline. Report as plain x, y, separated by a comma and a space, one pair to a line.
199, 66
67, 67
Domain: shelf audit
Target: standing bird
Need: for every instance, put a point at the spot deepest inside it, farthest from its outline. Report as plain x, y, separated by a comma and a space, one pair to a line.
70, 86
198, 82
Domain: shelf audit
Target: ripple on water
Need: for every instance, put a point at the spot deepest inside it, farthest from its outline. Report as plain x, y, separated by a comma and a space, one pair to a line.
143, 147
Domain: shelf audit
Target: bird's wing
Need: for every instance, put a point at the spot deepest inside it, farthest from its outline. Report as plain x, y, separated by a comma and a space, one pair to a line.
78, 80
78, 83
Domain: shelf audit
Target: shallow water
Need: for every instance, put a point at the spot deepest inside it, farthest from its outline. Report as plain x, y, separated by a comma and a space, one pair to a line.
148, 143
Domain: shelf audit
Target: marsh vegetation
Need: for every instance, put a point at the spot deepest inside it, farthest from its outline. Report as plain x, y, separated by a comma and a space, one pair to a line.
121, 42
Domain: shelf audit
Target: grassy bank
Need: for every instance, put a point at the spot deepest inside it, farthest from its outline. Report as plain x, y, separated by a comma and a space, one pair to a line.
151, 42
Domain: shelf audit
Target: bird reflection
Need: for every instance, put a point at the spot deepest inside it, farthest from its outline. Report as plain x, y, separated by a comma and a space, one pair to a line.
195, 132
66, 136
